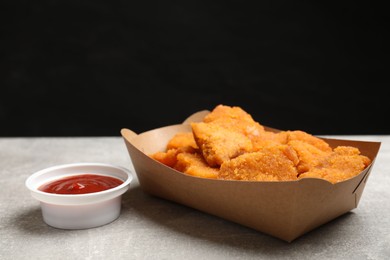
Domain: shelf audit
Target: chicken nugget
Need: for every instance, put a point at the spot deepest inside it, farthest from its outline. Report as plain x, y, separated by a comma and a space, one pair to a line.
179, 143
223, 111
273, 163
181, 140
343, 163
268, 138
235, 119
195, 165
168, 158
308, 138
219, 144
308, 154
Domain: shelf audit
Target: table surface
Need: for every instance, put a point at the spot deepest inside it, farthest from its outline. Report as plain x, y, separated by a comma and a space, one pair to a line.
153, 228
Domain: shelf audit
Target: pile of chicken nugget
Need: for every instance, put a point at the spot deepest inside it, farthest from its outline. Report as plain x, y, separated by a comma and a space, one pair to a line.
229, 144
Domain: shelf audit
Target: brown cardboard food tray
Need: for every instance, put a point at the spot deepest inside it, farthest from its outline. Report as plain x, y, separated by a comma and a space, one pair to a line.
285, 210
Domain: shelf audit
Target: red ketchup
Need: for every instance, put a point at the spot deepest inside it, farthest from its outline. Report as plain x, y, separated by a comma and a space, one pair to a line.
81, 184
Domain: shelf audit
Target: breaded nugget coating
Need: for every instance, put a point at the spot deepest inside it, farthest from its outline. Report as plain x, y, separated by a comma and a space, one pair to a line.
235, 119
268, 138
308, 154
194, 164
219, 144
249, 129
223, 111
308, 138
168, 158
343, 163
182, 140
269, 164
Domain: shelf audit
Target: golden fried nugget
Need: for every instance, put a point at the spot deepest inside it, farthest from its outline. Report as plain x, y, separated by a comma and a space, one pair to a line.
343, 163
195, 165
219, 144
249, 129
168, 158
268, 138
235, 119
349, 150
273, 163
308, 154
182, 140
308, 138
223, 111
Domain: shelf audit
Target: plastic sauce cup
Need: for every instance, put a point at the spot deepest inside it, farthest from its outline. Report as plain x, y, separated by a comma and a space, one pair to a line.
79, 211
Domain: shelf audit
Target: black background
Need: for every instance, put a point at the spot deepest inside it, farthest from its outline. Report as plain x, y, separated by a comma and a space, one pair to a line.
90, 68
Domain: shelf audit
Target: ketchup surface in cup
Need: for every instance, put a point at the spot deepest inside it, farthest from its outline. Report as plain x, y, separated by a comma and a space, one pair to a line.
80, 184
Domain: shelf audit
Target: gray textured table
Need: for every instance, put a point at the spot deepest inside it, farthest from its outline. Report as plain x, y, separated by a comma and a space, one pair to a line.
152, 228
